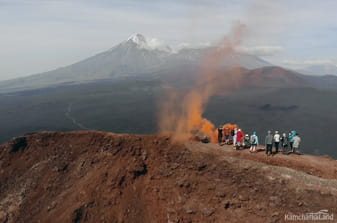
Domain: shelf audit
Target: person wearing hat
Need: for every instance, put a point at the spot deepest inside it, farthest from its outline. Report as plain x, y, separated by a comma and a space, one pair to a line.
246, 142
235, 131
254, 141
269, 143
291, 138
284, 143
220, 129
276, 141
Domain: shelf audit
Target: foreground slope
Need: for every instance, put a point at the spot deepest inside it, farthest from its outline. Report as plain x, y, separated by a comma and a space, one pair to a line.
90, 176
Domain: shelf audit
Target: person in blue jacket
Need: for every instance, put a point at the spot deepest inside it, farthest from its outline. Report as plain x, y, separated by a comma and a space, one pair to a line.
291, 138
254, 141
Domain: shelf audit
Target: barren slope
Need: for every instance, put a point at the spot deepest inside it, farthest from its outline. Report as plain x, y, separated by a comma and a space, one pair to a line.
92, 176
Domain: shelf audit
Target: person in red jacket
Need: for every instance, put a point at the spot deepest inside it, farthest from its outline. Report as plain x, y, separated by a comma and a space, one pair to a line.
239, 138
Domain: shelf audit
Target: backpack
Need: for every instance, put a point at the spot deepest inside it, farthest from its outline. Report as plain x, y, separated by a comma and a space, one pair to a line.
285, 140
205, 140
253, 139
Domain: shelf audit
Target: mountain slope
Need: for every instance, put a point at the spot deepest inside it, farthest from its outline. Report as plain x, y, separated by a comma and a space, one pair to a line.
134, 58
126, 59
104, 177
263, 77
281, 102
320, 69
272, 76
326, 81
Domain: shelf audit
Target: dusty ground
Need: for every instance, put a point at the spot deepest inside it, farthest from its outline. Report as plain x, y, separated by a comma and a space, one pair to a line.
92, 176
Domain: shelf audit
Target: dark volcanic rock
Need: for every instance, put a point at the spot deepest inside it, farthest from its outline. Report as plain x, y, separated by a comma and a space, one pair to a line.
90, 176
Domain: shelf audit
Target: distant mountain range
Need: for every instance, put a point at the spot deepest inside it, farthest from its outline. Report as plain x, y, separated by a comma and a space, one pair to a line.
319, 69
132, 58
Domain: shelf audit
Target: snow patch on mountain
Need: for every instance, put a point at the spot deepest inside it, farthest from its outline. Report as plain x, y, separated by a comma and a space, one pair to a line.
148, 44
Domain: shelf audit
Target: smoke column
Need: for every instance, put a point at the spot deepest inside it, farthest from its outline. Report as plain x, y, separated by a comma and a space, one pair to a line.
181, 112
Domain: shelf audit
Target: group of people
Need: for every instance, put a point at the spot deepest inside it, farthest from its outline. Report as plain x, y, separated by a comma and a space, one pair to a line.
286, 143
236, 137
230, 136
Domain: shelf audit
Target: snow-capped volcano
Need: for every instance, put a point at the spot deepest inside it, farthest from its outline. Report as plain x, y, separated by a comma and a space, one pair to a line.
135, 57
138, 39
149, 44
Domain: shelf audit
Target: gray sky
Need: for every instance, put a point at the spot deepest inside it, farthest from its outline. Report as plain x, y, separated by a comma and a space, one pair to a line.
41, 35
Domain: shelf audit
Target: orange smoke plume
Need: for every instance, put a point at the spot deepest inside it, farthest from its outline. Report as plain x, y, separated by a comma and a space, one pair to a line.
181, 112
230, 126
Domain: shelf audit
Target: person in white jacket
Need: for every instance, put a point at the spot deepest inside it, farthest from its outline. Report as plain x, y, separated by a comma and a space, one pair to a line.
276, 141
296, 144
235, 137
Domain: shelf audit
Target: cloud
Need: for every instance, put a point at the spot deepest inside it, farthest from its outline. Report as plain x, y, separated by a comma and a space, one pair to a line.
39, 35
309, 62
261, 50
155, 43
195, 45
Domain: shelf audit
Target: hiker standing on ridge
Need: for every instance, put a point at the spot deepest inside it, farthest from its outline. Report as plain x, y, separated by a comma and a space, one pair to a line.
239, 139
254, 141
296, 144
291, 138
220, 134
227, 133
276, 141
246, 142
234, 132
269, 143
284, 143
